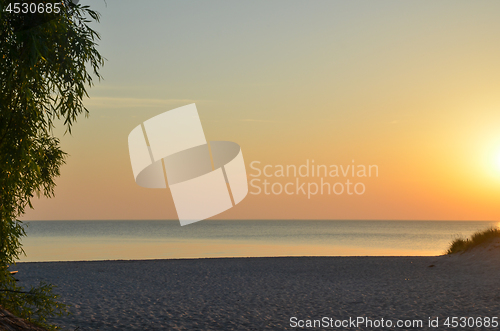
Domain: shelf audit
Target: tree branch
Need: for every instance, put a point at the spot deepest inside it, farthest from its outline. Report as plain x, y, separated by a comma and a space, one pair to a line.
22, 292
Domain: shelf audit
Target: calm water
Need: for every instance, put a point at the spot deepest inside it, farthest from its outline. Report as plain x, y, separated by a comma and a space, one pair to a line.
103, 240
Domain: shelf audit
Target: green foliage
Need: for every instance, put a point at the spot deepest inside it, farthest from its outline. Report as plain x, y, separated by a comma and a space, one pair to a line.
458, 245
35, 305
45, 61
461, 245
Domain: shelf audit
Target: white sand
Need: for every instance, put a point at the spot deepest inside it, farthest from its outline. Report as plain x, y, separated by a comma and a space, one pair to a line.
264, 293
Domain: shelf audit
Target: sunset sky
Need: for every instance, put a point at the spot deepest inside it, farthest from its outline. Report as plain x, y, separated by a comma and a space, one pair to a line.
412, 87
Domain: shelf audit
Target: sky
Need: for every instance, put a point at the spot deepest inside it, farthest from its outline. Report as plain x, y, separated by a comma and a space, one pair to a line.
410, 87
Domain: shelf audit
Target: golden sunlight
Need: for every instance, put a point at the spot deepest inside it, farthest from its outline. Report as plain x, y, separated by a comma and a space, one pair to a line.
497, 161
493, 160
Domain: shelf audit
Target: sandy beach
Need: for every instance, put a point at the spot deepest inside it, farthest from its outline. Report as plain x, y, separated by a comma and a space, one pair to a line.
269, 293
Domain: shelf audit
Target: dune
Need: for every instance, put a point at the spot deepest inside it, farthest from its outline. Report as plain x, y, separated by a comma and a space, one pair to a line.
485, 256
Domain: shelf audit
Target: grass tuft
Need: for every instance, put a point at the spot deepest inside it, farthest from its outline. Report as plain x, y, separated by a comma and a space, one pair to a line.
461, 245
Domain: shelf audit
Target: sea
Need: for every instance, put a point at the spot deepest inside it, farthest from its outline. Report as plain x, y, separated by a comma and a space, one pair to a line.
154, 239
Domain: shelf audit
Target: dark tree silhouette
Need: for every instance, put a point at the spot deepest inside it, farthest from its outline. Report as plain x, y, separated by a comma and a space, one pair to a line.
45, 59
